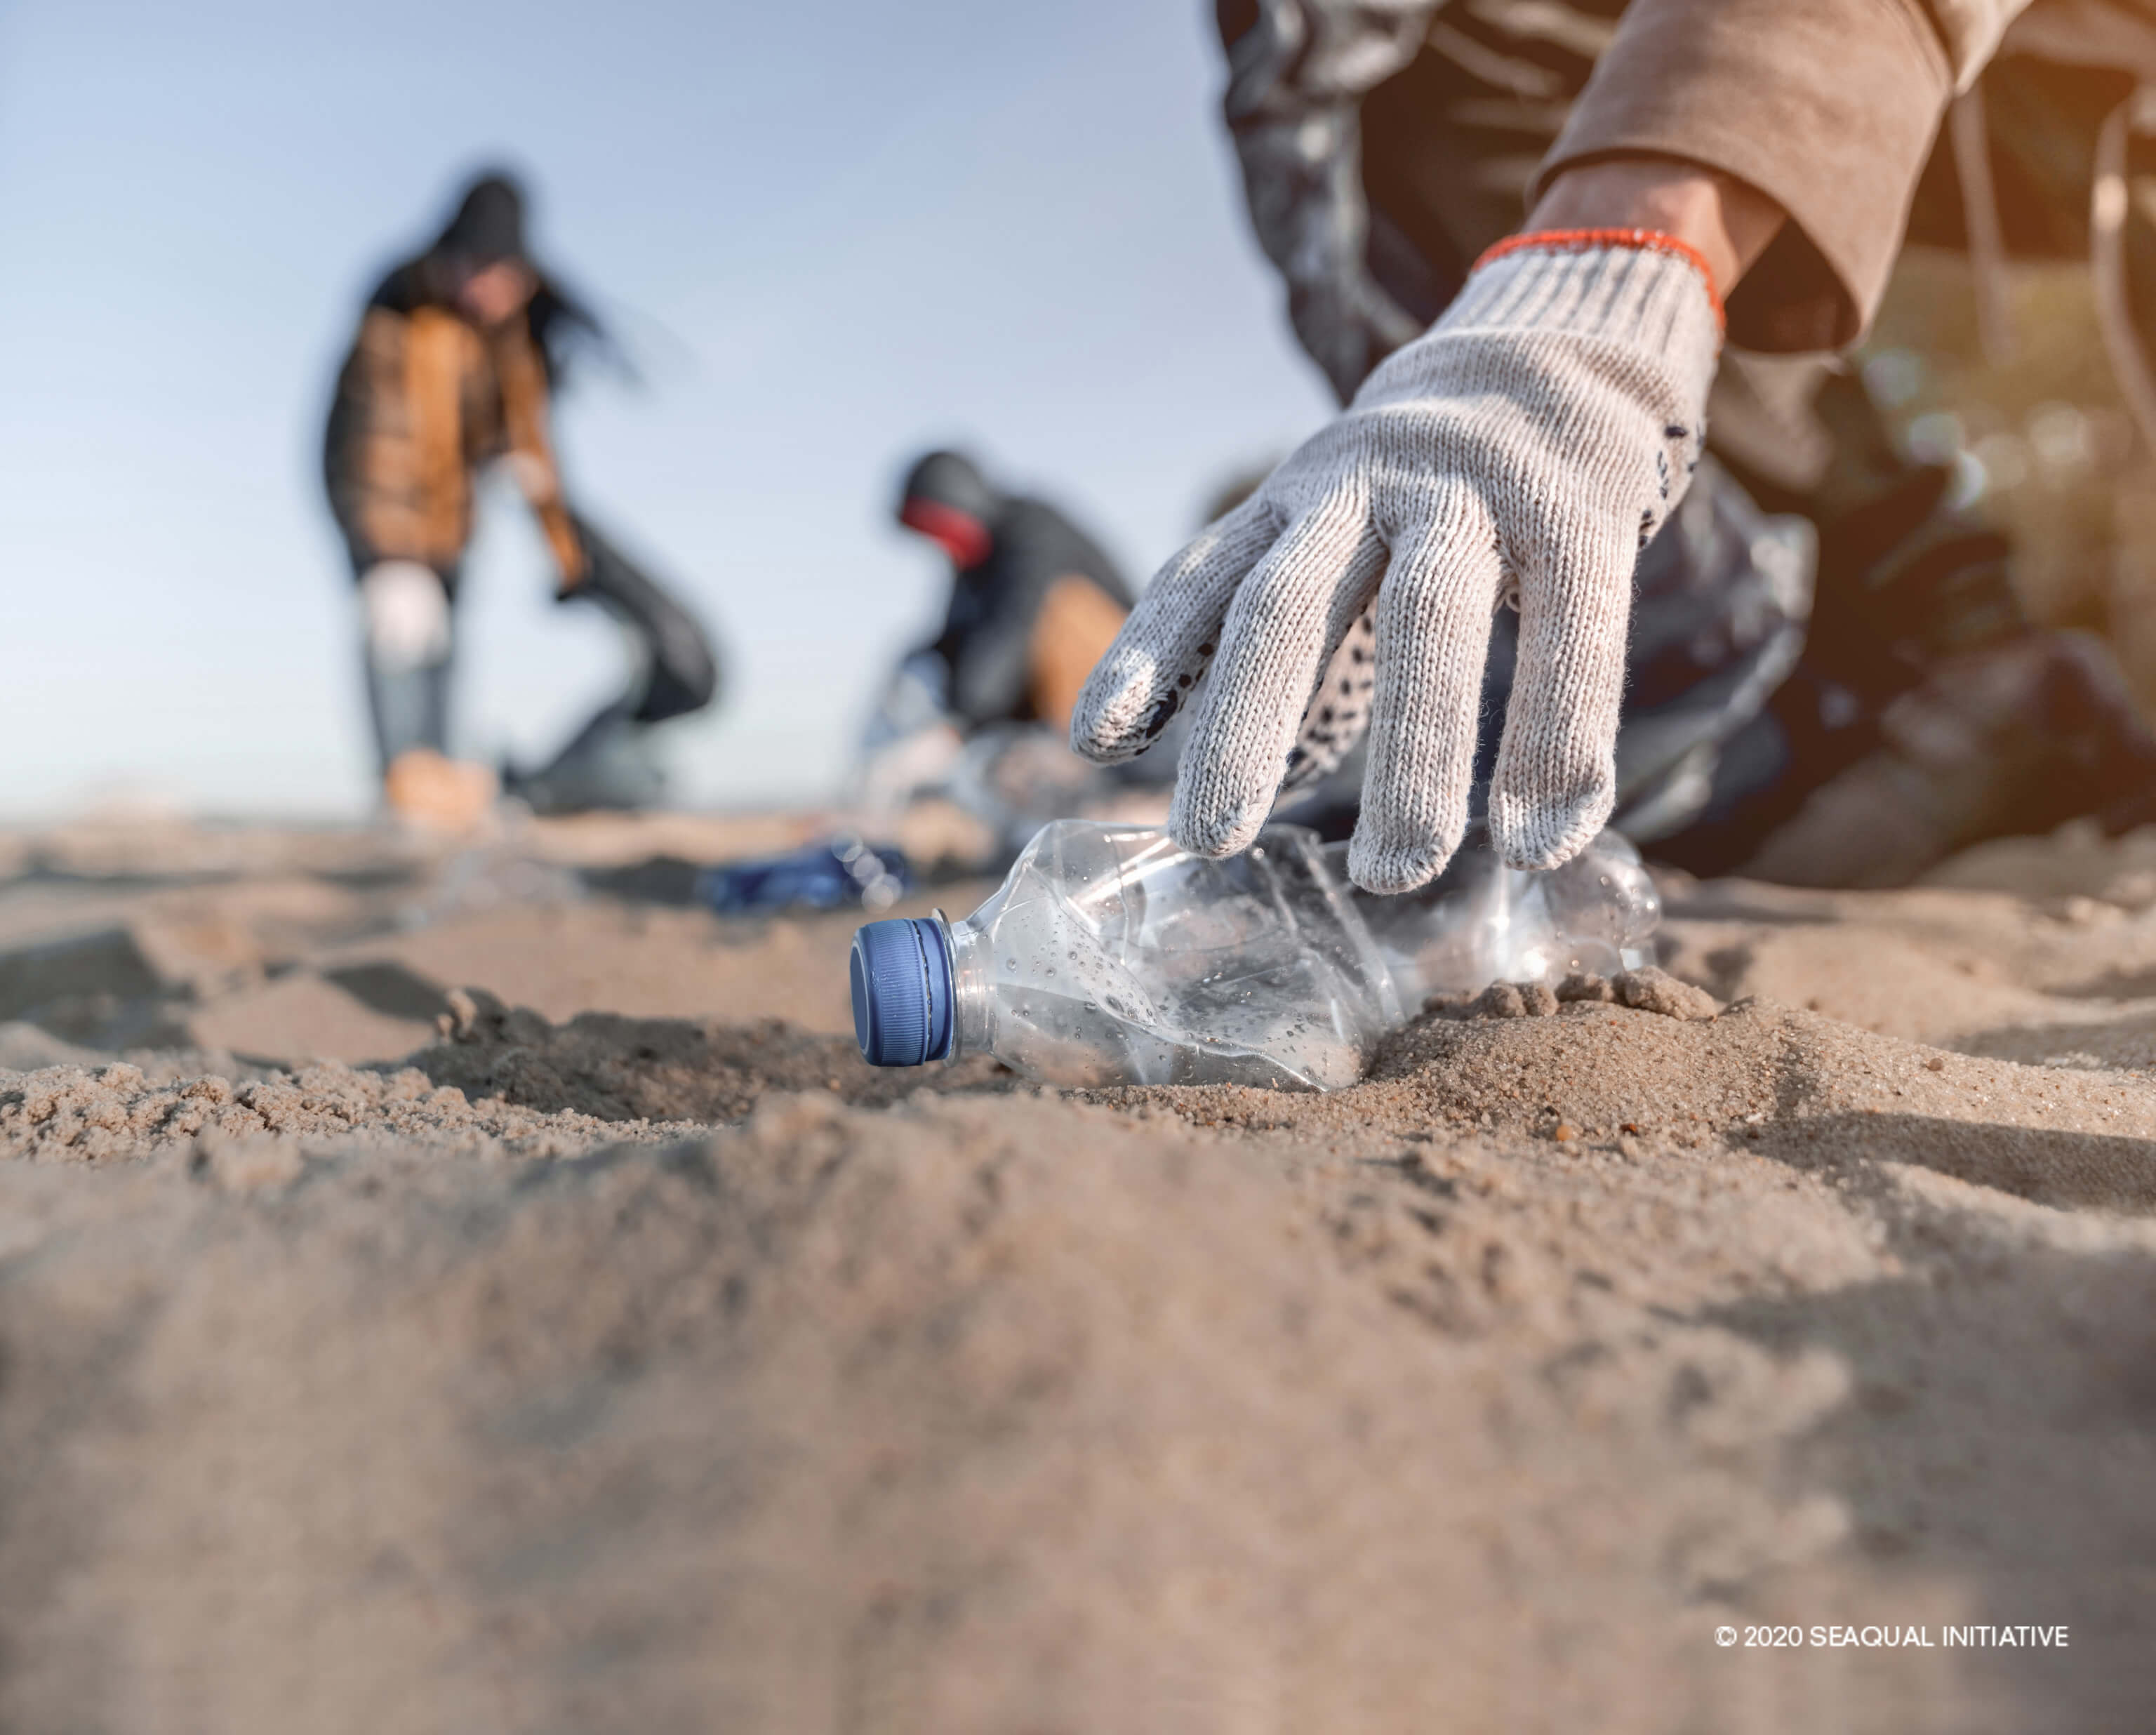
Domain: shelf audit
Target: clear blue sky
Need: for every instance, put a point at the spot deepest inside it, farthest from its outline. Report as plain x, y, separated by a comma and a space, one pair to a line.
831, 233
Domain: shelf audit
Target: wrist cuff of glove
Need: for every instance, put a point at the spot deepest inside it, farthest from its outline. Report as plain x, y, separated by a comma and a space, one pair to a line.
1634, 286
1598, 240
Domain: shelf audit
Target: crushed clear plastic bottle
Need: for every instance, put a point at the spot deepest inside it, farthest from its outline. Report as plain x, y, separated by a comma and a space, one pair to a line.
1110, 956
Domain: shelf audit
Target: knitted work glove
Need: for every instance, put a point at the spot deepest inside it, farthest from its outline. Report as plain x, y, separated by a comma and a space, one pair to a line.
1523, 450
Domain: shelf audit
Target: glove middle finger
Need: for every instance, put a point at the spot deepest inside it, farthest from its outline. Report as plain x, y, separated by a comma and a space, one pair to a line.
1555, 779
1433, 640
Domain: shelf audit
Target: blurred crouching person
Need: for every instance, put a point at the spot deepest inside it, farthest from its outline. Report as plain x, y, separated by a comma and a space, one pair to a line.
458, 357
982, 710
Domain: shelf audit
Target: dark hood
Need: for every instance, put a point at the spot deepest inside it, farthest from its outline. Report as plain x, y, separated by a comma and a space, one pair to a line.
489, 226
952, 480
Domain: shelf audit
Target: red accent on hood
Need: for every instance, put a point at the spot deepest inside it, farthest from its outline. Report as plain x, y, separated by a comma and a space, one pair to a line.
962, 536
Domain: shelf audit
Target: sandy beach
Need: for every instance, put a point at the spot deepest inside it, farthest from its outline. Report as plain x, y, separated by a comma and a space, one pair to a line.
459, 1289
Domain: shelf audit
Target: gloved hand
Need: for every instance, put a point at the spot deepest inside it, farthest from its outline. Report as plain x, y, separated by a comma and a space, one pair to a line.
406, 607
1525, 449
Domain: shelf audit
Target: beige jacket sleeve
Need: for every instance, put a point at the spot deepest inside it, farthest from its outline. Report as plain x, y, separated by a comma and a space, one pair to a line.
1828, 106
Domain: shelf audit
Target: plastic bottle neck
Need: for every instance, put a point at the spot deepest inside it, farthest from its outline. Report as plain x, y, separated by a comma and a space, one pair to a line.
973, 1002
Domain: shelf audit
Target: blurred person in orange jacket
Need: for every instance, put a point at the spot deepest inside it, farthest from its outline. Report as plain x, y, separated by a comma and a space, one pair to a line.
458, 354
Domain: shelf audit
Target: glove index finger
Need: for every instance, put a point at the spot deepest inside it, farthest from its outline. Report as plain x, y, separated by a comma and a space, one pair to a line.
1170, 639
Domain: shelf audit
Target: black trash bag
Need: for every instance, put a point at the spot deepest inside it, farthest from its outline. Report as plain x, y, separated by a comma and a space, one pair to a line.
681, 673
612, 762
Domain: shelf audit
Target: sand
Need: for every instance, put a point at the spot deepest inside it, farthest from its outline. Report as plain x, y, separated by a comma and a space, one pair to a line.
476, 1291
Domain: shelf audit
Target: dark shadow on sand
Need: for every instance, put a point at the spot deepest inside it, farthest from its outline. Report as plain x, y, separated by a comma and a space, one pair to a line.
2066, 1170
390, 989
2120, 1042
669, 1069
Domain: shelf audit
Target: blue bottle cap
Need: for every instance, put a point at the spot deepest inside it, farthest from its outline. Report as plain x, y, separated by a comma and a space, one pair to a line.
902, 999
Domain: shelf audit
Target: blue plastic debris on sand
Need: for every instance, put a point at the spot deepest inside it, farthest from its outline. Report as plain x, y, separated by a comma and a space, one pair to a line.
845, 874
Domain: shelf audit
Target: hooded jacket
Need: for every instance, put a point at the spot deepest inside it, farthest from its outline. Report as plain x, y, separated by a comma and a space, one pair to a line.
1031, 614
426, 397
